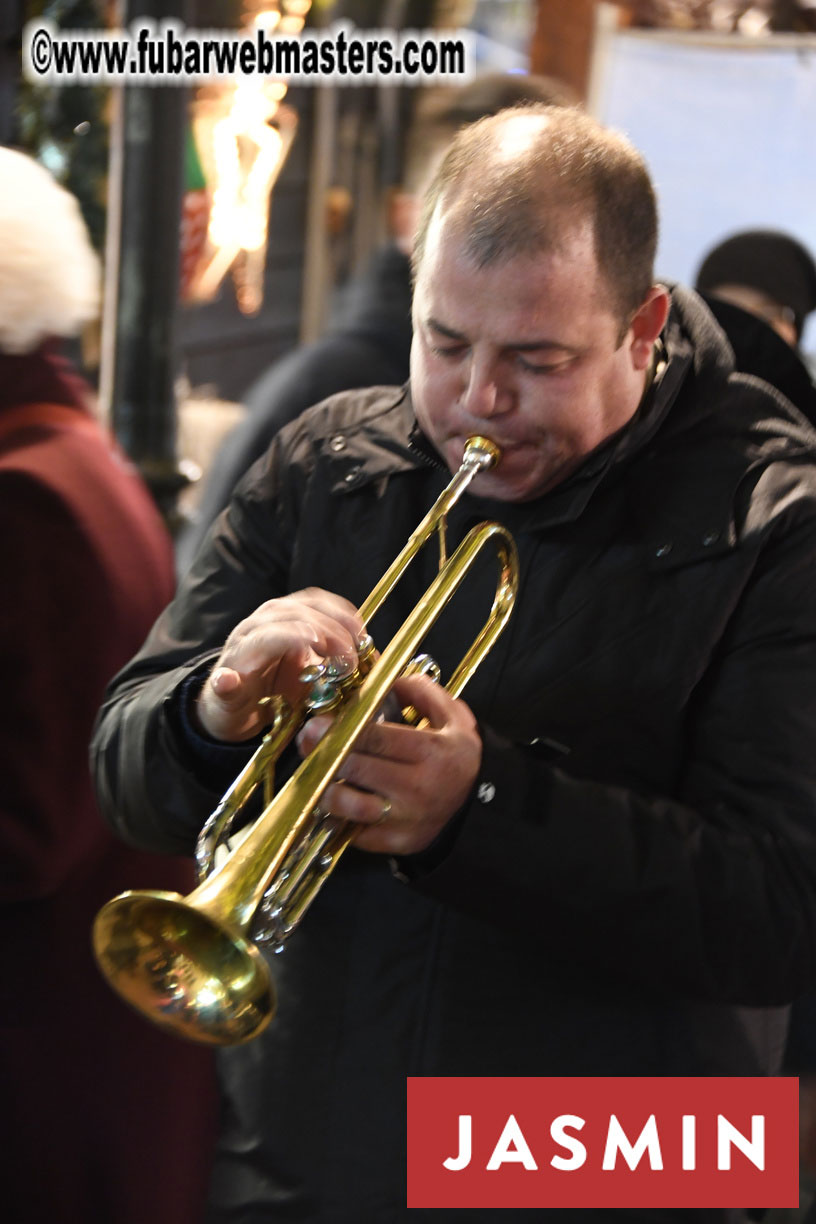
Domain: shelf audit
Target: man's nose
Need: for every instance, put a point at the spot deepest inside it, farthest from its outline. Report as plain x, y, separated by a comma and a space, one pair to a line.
485, 395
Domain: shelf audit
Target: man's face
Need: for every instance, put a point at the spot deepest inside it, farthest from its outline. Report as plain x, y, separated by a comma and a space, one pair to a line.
525, 351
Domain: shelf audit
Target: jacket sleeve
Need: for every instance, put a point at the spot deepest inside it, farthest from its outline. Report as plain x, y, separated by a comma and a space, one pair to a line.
710, 892
151, 790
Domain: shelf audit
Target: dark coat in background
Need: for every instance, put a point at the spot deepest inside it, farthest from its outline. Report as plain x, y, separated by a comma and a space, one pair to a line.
760, 351
102, 1119
367, 344
632, 888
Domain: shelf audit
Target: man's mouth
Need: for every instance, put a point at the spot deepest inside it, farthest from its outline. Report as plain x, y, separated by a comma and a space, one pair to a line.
505, 445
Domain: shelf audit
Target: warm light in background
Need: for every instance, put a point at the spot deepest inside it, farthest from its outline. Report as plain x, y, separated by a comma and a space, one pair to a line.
243, 134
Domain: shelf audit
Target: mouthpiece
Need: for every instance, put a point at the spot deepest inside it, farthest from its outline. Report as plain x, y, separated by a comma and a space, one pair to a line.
481, 453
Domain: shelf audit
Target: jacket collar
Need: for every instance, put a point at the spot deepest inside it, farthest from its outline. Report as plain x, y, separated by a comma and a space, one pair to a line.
376, 445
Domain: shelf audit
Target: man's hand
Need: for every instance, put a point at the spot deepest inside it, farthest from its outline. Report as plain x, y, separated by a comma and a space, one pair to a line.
265, 654
403, 784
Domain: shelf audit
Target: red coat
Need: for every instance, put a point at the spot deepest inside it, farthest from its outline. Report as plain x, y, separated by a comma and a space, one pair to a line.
103, 1120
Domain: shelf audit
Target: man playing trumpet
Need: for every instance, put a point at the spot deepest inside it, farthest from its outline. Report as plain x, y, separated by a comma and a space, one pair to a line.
602, 859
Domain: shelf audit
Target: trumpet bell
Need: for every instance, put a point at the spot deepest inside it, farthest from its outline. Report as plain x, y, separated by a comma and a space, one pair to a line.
192, 974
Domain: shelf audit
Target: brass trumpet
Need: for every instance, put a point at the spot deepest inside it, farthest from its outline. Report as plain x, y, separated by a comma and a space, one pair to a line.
192, 964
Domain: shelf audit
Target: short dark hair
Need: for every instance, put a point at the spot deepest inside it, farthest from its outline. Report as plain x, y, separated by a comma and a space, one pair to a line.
570, 167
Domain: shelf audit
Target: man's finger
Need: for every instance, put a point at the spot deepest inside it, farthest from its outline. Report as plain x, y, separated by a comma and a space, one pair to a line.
430, 700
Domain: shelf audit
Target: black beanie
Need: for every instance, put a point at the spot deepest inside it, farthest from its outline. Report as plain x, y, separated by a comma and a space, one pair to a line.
766, 260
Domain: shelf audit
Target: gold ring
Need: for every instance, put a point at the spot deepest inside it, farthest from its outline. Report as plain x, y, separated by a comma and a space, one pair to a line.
386, 812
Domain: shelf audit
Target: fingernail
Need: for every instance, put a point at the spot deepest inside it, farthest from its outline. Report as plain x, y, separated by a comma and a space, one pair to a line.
223, 681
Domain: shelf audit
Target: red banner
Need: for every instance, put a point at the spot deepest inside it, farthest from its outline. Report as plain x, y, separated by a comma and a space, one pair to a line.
603, 1142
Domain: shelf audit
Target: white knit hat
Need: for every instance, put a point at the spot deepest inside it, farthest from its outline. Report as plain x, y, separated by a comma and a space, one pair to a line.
49, 273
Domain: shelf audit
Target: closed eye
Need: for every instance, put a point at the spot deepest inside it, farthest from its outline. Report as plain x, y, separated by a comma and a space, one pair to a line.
538, 367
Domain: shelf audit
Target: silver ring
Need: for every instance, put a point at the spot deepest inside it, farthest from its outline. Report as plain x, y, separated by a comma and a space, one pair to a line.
386, 812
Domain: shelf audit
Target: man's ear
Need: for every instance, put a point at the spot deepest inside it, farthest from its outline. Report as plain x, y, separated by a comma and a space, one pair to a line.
647, 324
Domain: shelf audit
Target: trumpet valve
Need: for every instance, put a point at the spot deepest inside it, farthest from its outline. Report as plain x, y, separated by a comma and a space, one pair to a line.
323, 688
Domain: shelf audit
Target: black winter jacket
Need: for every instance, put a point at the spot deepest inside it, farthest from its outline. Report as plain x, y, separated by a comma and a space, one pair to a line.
632, 890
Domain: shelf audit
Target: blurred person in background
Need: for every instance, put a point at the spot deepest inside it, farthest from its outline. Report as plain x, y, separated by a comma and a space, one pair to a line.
767, 273
103, 1120
368, 341
761, 287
